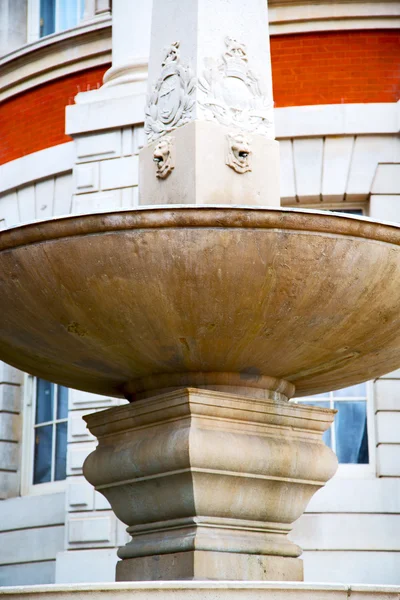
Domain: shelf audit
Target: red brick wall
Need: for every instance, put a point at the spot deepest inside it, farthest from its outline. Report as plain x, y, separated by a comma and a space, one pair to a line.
310, 68
35, 119
336, 67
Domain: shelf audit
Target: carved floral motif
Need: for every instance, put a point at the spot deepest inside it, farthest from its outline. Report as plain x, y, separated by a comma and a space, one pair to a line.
239, 152
171, 101
231, 92
164, 156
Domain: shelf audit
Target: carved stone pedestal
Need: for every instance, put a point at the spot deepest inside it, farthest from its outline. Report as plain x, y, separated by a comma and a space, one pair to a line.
210, 482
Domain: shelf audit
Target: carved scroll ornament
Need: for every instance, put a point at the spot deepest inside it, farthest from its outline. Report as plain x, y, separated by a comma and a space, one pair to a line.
171, 101
231, 92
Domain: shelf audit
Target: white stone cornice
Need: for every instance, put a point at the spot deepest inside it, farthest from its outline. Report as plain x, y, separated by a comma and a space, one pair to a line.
286, 16
337, 119
92, 110
36, 166
55, 56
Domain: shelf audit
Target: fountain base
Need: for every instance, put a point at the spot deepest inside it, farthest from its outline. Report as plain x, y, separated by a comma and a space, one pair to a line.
210, 482
202, 565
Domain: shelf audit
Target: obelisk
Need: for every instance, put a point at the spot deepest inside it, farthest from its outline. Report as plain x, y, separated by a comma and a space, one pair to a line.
209, 114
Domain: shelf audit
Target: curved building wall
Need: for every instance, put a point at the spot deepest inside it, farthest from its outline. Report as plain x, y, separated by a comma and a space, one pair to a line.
313, 68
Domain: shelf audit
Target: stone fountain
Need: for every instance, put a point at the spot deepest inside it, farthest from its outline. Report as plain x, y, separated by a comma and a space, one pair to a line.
208, 313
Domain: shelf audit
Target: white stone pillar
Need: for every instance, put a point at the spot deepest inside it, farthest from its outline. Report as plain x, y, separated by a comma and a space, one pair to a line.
130, 43
230, 36
209, 117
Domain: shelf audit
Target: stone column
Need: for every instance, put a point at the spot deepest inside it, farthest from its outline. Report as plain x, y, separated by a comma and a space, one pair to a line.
209, 116
13, 25
130, 44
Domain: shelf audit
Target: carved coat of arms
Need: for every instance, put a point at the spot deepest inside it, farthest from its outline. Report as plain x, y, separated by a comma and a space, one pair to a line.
171, 101
231, 92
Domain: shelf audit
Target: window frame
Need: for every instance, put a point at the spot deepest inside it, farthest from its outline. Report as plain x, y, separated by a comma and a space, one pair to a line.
28, 443
359, 471
33, 20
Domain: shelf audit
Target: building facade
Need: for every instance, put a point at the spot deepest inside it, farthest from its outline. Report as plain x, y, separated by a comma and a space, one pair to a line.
73, 78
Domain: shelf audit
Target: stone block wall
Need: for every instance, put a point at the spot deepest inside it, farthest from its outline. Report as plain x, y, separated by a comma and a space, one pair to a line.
10, 430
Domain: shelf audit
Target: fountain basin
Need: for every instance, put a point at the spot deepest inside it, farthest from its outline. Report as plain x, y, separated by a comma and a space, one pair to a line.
126, 303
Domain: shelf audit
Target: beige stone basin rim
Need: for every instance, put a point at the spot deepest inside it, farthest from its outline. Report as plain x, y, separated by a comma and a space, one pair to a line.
201, 217
79, 336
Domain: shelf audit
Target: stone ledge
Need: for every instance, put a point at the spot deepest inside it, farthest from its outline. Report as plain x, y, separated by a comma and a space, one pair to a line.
204, 590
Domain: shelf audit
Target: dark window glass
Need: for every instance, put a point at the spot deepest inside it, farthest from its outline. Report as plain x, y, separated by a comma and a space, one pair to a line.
43, 454
351, 432
44, 401
47, 17
349, 211
60, 471
62, 402
51, 408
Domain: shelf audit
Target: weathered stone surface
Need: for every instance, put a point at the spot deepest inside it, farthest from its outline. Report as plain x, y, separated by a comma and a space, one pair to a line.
200, 565
201, 175
129, 302
209, 483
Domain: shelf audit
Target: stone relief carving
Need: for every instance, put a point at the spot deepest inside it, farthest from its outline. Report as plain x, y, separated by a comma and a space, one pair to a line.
171, 101
231, 92
164, 156
239, 152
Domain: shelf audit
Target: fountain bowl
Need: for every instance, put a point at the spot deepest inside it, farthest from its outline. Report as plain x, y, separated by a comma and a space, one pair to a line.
126, 303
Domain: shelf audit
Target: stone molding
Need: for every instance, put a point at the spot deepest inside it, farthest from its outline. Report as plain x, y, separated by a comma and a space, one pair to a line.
130, 72
36, 166
337, 119
288, 17
55, 56
204, 590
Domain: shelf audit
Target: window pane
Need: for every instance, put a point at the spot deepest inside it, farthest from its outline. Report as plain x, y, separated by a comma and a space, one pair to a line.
355, 391
44, 401
61, 452
62, 402
47, 17
351, 432
68, 14
327, 437
43, 451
